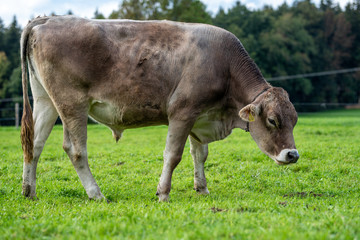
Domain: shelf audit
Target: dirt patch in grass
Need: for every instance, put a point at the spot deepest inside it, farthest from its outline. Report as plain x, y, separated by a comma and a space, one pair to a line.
304, 194
246, 209
216, 210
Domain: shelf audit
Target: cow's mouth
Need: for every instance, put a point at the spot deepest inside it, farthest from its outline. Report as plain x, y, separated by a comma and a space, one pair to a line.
278, 162
281, 163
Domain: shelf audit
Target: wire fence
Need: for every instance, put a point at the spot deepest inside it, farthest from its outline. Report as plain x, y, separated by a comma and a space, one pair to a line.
315, 74
10, 111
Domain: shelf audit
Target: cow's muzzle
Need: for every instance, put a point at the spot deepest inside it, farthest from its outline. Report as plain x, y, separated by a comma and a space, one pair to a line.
287, 156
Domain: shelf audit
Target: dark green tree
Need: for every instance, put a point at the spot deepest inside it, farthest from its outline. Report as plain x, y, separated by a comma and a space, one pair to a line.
4, 66
237, 15
352, 14
286, 50
12, 49
98, 15
177, 10
246, 25
2, 34
188, 11
140, 9
12, 88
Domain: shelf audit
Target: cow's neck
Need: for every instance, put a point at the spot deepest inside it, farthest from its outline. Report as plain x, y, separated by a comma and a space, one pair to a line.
247, 81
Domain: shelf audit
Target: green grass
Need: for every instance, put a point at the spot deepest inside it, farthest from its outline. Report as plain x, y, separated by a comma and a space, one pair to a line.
250, 196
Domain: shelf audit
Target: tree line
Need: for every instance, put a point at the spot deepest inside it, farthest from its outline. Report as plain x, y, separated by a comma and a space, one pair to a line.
288, 40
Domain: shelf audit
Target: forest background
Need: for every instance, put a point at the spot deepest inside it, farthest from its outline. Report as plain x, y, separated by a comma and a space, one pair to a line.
289, 40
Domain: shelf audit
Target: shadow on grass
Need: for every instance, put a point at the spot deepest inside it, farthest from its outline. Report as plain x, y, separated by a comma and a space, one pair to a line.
64, 192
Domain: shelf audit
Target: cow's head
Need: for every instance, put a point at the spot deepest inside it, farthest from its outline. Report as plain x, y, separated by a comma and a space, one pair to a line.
272, 118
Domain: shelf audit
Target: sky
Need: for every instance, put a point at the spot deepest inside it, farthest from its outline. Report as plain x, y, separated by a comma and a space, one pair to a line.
27, 9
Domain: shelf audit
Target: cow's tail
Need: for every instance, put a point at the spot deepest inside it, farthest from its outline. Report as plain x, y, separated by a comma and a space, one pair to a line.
27, 122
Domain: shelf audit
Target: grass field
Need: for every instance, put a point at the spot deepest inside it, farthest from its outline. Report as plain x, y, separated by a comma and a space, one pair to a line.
250, 196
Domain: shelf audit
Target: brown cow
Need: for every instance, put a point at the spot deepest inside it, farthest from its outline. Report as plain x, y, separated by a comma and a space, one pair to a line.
195, 78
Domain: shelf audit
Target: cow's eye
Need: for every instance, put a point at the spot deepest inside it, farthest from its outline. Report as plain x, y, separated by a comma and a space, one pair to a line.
272, 122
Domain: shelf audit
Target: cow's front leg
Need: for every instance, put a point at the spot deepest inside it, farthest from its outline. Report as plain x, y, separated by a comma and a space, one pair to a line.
199, 153
175, 142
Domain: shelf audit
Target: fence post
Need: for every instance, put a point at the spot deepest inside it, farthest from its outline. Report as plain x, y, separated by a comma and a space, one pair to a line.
17, 115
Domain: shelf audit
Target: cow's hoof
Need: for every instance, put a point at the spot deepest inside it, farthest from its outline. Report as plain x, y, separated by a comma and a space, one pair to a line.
32, 197
163, 197
29, 192
99, 198
94, 193
202, 191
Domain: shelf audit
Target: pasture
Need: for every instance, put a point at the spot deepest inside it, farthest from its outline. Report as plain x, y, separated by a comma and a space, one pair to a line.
250, 196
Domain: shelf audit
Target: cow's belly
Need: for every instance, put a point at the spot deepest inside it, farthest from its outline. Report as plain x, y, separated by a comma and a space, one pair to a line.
210, 126
121, 117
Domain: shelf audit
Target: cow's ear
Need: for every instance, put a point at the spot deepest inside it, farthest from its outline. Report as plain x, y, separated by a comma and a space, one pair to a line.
249, 112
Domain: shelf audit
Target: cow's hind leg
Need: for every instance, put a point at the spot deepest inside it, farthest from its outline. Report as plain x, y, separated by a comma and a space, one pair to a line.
176, 138
44, 116
199, 152
75, 136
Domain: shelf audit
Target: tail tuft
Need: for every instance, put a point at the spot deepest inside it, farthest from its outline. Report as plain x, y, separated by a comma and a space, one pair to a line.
27, 132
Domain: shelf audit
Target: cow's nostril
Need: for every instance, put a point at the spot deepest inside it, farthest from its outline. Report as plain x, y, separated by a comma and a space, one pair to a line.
293, 156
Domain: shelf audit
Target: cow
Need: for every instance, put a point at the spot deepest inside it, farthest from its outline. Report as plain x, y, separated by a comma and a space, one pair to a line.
196, 78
